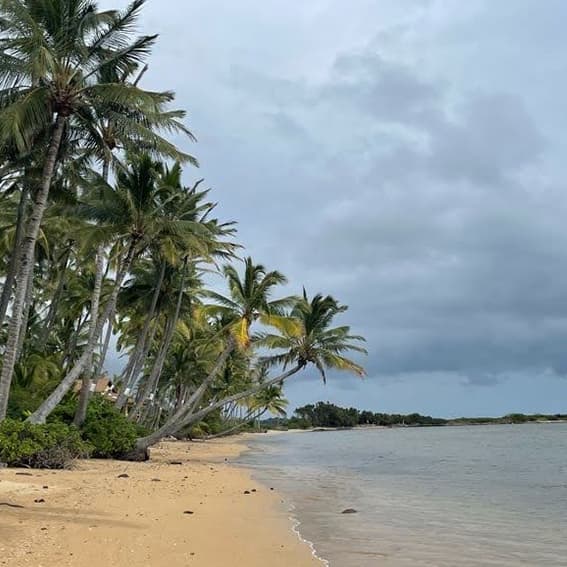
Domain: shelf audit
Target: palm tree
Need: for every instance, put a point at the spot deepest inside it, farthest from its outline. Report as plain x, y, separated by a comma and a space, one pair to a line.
130, 217
53, 52
250, 297
305, 337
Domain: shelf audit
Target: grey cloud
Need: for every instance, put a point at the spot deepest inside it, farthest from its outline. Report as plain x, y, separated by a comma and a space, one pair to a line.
410, 161
494, 136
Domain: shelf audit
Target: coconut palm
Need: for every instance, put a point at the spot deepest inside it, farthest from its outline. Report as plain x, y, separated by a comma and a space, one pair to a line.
249, 298
51, 58
304, 337
131, 217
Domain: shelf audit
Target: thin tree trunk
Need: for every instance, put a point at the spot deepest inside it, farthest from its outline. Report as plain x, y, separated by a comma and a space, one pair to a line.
88, 375
105, 346
25, 316
137, 374
155, 374
54, 305
26, 263
71, 344
140, 351
41, 414
172, 426
247, 418
14, 257
151, 383
199, 393
171, 423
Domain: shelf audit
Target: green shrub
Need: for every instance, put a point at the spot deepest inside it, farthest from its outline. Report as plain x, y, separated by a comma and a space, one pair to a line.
109, 432
50, 446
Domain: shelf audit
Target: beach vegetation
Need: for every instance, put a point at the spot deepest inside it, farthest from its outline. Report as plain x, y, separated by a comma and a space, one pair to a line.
113, 254
49, 446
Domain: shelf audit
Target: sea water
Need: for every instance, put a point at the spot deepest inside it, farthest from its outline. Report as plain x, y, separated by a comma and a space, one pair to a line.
474, 496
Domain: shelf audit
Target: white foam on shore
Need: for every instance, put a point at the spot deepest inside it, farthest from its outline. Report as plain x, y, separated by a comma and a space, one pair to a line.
295, 523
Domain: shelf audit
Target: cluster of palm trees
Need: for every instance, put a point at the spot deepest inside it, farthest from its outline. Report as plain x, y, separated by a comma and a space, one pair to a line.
103, 245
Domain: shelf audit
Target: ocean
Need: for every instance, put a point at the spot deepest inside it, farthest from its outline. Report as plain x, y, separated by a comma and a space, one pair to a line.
474, 496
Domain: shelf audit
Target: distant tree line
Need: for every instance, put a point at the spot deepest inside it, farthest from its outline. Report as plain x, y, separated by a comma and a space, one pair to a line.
326, 414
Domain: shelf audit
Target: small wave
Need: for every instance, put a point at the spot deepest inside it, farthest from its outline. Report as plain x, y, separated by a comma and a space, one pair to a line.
295, 523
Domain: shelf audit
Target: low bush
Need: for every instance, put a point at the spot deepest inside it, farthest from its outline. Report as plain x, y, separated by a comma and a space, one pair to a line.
109, 432
50, 446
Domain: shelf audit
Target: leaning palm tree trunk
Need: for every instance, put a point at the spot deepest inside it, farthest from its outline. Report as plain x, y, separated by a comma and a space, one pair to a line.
26, 263
142, 346
137, 374
251, 415
54, 305
105, 343
25, 316
41, 414
145, 395
172, 423
153, 380
14, 257
179, 422
88, 376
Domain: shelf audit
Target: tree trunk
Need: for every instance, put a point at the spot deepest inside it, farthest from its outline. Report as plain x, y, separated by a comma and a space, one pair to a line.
153, 379
71, 343
54, 305
141, 352
173, 426
155, 374
89, 375
26, 263
105, 345
172, 423
41, 414
14, 257
250, 416
137, 374
25, 315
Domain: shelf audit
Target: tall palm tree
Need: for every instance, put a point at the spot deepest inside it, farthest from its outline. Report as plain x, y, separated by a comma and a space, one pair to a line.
129, 215
52, 52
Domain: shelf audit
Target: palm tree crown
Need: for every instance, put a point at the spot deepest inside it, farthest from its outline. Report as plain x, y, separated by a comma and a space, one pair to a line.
307, 337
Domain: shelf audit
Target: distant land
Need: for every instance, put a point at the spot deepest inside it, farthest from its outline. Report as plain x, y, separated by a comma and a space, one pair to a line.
325, 414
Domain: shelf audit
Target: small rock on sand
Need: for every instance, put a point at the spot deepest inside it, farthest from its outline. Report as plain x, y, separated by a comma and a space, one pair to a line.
349, 511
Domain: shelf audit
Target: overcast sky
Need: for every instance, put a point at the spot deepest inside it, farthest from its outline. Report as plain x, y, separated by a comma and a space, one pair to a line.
405, 156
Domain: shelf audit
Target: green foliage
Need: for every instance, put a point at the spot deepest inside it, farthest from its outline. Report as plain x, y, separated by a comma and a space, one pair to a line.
35, 376
325, 414
106, 430
51, 446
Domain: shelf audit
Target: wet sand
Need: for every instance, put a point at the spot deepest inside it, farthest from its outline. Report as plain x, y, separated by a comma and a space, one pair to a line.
116, 514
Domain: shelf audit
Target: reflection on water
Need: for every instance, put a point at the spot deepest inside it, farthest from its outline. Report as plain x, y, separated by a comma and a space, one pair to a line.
445, 497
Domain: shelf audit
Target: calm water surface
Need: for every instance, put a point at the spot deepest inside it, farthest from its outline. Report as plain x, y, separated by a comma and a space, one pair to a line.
445, 497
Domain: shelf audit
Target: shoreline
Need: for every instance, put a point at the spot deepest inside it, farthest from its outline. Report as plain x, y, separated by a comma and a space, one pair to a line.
189, 505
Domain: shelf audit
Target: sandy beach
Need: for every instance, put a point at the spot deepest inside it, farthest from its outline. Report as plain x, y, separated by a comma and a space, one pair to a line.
187, 506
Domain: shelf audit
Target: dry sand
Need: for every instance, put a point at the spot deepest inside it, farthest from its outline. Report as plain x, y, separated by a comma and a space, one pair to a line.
90, 517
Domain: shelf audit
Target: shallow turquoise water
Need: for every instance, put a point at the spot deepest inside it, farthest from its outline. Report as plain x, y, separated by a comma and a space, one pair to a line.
445, 497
